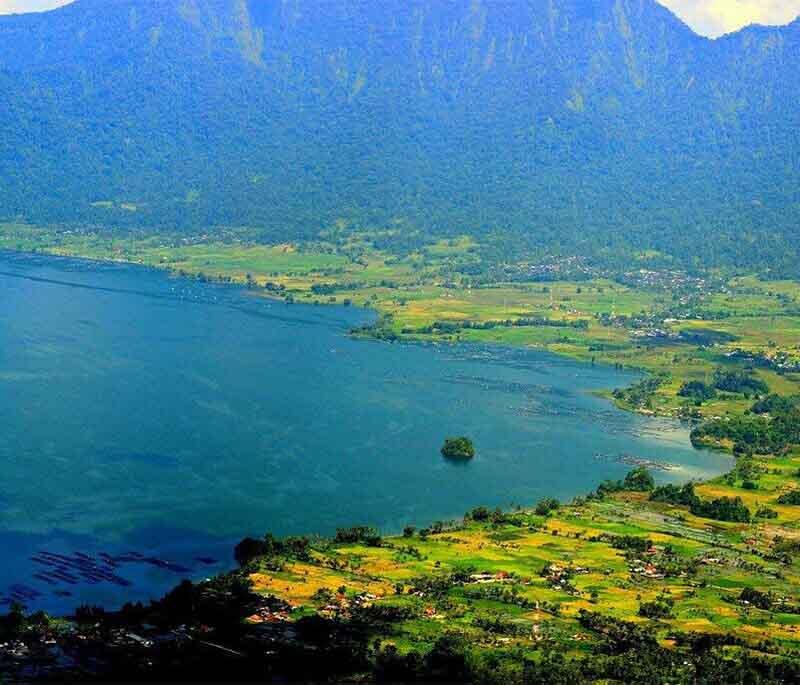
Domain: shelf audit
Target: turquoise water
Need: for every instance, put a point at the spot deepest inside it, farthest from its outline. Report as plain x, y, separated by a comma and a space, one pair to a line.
150, 418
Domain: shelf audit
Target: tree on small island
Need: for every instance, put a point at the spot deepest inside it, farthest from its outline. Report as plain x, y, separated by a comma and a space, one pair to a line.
458, 448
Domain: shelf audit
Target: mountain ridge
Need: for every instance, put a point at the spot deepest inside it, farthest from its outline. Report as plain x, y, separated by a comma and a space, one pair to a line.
573, 125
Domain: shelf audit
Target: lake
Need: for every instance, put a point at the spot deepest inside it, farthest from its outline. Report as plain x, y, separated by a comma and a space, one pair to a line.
148, 423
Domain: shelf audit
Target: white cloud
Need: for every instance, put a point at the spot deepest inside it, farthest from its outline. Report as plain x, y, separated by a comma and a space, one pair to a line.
20, 6
716, 17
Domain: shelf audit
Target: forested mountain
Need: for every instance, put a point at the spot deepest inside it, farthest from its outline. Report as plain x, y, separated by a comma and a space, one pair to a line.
594, 126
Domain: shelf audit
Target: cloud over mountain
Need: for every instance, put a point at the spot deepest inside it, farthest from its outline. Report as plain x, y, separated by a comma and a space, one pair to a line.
21, 6
717, 17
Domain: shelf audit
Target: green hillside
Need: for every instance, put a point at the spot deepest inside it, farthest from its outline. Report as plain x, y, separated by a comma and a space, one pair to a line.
575, 126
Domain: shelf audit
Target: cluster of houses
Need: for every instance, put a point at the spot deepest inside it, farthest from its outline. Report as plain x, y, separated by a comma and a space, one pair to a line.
341, 606
672, 281
559, 577
484, 578
551, 268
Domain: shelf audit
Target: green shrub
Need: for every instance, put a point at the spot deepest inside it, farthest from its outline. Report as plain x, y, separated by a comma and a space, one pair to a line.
789, 497
358, 534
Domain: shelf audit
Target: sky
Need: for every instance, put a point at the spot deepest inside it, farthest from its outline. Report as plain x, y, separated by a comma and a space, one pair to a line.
716, 17
708, 17
12, 6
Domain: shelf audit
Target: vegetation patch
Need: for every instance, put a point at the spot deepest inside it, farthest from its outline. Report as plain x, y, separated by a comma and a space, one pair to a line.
458, 448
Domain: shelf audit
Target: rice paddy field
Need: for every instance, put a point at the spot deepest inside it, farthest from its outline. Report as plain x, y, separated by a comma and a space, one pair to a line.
519, 580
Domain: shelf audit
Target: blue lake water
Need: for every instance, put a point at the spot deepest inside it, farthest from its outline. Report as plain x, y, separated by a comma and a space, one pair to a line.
148, 423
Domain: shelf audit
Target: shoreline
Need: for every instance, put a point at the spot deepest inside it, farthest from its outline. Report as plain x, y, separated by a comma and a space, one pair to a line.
365, 332
446, 526
242, 287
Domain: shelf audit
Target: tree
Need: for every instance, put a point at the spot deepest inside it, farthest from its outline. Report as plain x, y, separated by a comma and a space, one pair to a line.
774, 404
722, 509
249, 549
673, 494
789, 497
661, 607
639, 480
698, 391
447, 660
546, 506
738, 381
358, 535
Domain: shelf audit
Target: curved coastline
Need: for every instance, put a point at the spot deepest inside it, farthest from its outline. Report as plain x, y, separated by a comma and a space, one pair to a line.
485, 351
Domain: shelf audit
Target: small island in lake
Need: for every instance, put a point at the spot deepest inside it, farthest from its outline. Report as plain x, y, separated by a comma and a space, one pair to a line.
458, 448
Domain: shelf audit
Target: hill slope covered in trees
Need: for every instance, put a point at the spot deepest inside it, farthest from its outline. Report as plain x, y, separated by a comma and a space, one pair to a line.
600, 127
